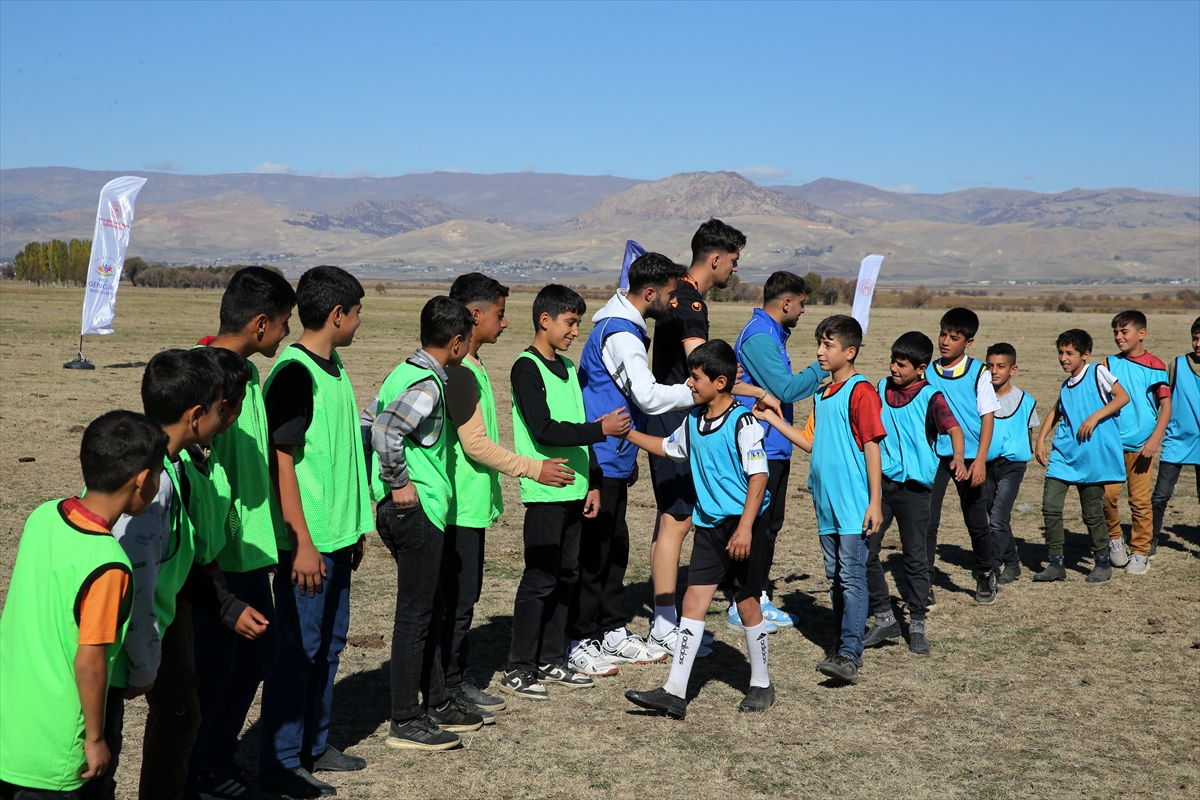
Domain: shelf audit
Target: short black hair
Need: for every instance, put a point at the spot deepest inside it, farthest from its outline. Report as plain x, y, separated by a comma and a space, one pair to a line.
914, 347
1078, 338
117, 446
715, 236
716, 359
475, 288
843, 329
783, 283
1003, 349
253, 291
961, 320
1195, 326
653, 270
442, 319
235, 373
555, 299
176, 380
321, 290
1132, 317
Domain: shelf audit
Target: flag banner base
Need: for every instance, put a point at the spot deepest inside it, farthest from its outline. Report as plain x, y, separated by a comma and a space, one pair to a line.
79, 362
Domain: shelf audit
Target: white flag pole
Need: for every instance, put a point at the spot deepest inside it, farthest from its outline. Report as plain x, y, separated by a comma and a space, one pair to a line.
864, 290
114, 218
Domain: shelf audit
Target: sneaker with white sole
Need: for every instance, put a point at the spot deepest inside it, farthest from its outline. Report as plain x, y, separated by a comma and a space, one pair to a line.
1138, 564
667, 643
587, 659
1117, 553
562, 675
523, 684
777, 616
734, 620
630, 650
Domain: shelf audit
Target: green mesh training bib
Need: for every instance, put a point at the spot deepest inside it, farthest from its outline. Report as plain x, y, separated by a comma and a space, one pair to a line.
565, 400
208, 505
41, 732
477, 499
330, 466
426, 465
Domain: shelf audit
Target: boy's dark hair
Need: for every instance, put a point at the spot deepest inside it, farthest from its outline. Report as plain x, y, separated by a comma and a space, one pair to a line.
442, 319
253, 291
1003, 349
783, 283
715, 236
961, 320
653, 270
1132, 318
475, 288
914, 347
716, 359
235, 373
321, 290
1078, 338
844, 330
176, 380
555, 299
118, 445
1195, 326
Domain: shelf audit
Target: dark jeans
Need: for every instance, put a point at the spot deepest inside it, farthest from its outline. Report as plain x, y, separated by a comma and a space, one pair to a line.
298, 691
1001, 488
778, 473
230, 669
417, 545
463, 582
551, 536
973, 503
1164, 487
174, 715
598, 603
908, 504
105, 787
9, 791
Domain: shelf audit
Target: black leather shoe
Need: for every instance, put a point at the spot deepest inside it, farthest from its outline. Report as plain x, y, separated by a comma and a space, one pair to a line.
659, 700
878, 634
334, 760
297, 782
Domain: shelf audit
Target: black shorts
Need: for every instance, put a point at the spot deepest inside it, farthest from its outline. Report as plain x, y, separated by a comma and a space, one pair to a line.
674, 489
711, 565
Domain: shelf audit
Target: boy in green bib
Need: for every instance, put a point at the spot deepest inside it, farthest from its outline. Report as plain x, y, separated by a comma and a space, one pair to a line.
255, 311
476, 462
549, 422
321, 481
66, 612
406, 425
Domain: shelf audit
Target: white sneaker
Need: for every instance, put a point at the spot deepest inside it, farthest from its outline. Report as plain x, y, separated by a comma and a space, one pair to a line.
587, 660
1117, 553
667, 644
630, 650
1138, 564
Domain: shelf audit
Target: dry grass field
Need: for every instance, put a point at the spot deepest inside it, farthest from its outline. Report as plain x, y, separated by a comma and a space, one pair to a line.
1060, 690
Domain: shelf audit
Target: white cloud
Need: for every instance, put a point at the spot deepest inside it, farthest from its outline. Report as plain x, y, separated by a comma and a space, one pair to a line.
764, 174
267, 168
1178, 191
530, 168
904, 188
357, 172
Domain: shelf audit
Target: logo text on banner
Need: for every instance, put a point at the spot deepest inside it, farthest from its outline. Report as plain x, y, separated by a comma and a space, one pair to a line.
114, 218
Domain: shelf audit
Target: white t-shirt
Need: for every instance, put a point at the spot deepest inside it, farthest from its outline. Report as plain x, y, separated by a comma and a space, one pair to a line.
1107, 379
749, 441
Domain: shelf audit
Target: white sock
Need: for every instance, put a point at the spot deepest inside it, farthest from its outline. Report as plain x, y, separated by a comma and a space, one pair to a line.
756, 645
691, 631
665, 620
615, 637
763, 600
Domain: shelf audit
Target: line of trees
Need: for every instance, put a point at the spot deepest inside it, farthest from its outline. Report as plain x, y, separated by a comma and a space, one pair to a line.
821, 291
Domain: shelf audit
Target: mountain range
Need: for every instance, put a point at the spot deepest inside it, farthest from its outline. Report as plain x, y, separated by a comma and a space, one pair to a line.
532, 226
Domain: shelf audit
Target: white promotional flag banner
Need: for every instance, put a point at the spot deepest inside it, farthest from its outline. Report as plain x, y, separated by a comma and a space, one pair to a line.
864, 290
113, 221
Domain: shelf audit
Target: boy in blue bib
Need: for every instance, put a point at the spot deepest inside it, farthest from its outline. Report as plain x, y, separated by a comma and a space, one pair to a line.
723, 445
1086, 455
1181, 445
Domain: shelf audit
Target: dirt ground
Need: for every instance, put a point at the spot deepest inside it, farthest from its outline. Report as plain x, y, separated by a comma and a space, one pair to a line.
1061, 690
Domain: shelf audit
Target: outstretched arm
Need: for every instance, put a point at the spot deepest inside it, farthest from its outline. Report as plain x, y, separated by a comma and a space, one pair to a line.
790, 432
651, 444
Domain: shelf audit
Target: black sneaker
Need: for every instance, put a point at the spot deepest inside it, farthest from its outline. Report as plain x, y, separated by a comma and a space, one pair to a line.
334, 760
917, 643
1011, 573
1054, 571
229, 786
1100, 573
449, 717
758, 699
878, 634
931, 601
420, 734
467, 707
562, 675
985, 589
485, 701
1153, 546
523, 684
297, 782
840, 668
659, 700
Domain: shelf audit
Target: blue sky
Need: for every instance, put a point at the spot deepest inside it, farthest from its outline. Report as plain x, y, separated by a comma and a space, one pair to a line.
934, 97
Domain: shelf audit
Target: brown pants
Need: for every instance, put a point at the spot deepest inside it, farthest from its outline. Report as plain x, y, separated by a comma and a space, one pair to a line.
174, 714
1139, 478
